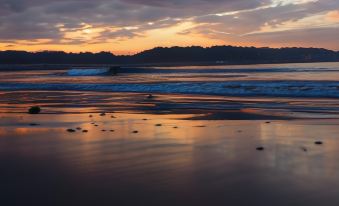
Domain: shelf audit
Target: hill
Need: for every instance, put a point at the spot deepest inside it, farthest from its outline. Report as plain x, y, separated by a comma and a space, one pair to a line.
177, 55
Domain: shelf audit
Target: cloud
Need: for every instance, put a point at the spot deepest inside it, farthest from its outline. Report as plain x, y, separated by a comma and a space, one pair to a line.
333, 15
68, 21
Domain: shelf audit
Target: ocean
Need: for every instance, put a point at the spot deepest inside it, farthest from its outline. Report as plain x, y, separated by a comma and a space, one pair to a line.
308, 88
221, 135
278, 80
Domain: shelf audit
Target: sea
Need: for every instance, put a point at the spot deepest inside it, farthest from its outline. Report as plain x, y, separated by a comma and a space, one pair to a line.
318, 80
309, 89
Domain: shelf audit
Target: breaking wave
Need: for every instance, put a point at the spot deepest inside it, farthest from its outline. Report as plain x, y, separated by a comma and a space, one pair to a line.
232, 88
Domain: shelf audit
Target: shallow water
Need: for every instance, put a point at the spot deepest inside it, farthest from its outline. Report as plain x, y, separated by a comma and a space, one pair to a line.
288, 80
306, 89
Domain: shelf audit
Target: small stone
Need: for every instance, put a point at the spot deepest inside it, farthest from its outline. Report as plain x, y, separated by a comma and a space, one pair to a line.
103, 114
267, 122
103, 130
78, 128
175, 127
260, 148
34, 110
135, 132
303, 149
71, 130
90, 116
111, 130
113, 117
96, 125
318, 143
145, 119
34, 124
150, 96
84, 131
158, 125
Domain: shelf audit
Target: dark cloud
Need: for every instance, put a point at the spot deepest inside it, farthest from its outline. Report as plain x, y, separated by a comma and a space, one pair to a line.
49, 19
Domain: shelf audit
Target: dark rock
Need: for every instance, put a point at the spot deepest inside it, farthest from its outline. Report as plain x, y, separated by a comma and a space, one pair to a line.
34, 110
78, 128
71, 130
158, 125
150, 96
260, 148
84, 131
175, 127
318, 143
303, 149
134, 132
34, 124
111, 130
103, 114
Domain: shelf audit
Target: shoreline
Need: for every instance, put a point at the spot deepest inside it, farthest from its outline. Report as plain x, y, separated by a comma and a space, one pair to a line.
204, 107
42, 66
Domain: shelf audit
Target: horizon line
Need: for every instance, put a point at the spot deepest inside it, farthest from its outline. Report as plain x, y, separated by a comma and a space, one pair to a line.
167, 47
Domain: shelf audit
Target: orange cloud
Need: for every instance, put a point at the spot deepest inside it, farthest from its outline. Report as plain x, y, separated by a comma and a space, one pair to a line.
168, 36
333, 16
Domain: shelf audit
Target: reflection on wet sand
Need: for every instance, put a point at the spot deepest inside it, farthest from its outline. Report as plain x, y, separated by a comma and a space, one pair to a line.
203, 107
200, 162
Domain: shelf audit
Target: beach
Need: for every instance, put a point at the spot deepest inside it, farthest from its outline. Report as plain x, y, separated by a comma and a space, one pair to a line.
254, 137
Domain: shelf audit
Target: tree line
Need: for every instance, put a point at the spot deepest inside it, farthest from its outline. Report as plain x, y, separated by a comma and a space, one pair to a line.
160, 55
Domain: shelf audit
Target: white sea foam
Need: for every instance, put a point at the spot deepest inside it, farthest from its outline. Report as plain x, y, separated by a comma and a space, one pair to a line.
87, 71
233, 88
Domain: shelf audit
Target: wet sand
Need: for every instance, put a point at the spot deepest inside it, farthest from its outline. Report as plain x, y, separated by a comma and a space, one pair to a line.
181, 154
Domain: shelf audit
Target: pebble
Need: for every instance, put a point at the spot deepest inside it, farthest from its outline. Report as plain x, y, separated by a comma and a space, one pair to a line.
149, 96
34, 110
260, 148
34, 124
71, 130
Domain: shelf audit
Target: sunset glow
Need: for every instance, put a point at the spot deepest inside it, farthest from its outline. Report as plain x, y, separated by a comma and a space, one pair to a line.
130, 26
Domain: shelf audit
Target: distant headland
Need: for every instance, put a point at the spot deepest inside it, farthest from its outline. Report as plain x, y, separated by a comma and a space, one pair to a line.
193, 55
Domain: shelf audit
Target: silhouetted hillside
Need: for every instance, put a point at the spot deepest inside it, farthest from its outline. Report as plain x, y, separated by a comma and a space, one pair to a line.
160, 55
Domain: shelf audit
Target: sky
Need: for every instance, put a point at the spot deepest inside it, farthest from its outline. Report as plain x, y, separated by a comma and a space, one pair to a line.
130, 26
